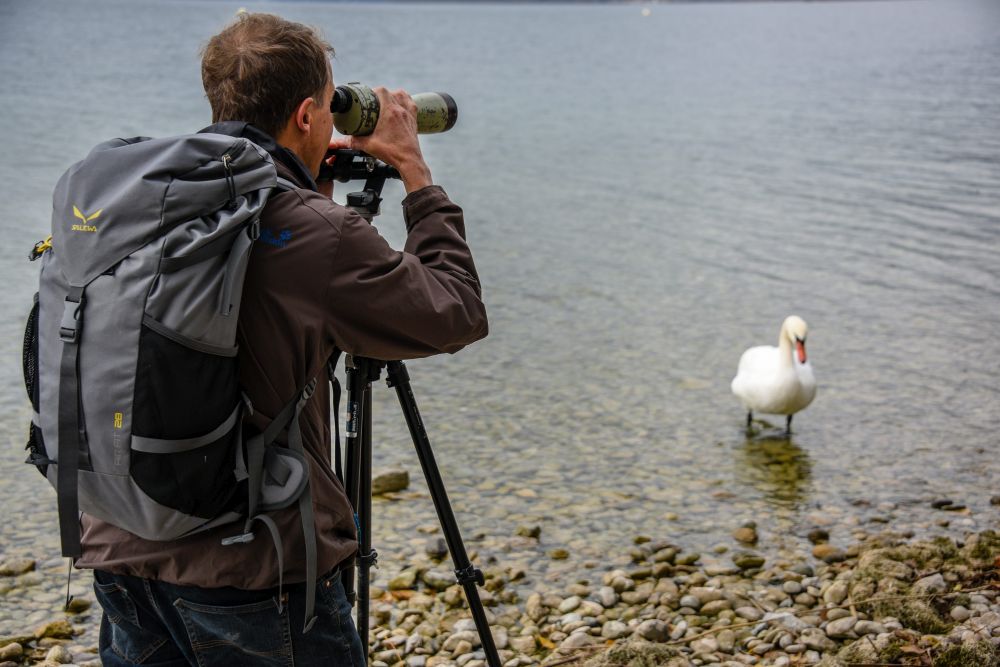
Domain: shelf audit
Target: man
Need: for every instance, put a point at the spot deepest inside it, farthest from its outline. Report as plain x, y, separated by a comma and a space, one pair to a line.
320, 278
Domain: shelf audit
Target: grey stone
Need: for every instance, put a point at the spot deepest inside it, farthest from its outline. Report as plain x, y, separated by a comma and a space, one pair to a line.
816, 640
705, 645
706, 594
727, 641
787, 621
569, 604
690, 601
11, 651
836, 593
614, 630
439, 581
841, 627
747, 561
388, 481
869, 628
14, 568
932, 584
829, 553
715, 607
436, 548
960, 613
607, 596
576, 640
791, 587
749, 613
60, 655
55, 629
529, 531
534, 607
523, 644
405, 580
654, 630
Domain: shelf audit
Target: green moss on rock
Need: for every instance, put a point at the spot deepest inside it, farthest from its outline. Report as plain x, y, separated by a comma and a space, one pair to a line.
983, 547
981, 654
638, 654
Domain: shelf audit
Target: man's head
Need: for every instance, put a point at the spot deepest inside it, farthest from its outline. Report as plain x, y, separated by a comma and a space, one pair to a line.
275, 75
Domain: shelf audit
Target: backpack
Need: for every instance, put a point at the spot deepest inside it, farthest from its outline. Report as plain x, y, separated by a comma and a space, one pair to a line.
130, 349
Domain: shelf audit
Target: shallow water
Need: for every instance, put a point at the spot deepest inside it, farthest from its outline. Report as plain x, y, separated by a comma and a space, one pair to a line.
646, 197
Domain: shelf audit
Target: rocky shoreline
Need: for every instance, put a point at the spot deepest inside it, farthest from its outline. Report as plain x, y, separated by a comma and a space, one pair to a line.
886, 600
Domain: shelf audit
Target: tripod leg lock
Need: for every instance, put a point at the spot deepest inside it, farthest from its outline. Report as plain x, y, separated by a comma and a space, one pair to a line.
370, 559
469, 575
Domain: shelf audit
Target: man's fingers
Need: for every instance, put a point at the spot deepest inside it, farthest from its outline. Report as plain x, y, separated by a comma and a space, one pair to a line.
404, 100
382, 94
337, 143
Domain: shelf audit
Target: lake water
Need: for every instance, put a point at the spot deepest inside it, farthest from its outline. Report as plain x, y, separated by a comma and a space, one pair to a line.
646, 196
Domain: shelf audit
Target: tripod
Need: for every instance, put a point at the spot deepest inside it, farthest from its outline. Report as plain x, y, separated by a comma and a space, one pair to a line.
361, 372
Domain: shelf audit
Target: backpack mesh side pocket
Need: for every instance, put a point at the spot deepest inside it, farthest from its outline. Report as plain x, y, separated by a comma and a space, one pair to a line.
29, 356
29, 361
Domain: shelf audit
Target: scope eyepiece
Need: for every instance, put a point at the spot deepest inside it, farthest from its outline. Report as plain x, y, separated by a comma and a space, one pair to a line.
342, 100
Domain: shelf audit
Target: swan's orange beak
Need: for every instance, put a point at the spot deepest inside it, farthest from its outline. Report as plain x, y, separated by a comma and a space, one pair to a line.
800, 349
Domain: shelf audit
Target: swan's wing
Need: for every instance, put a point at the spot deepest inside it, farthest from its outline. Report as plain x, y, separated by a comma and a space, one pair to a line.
761, 360
755, 374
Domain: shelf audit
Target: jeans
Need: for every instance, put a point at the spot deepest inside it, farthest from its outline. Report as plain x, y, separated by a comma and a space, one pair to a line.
157, 624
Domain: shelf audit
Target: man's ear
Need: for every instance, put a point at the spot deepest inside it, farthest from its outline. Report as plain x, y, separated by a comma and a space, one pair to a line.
304, 114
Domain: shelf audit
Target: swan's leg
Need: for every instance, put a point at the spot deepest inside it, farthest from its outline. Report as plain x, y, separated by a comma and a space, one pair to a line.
749, 420
788, 424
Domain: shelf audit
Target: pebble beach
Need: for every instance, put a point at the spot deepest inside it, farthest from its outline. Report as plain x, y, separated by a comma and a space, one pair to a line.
884, 598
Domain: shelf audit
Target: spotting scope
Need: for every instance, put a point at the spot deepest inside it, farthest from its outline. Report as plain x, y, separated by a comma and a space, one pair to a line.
355, 110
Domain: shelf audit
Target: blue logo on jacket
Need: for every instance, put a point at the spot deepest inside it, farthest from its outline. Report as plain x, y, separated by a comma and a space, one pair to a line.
279, 240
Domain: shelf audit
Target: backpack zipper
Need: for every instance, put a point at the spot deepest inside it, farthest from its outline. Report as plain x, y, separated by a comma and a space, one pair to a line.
227, 164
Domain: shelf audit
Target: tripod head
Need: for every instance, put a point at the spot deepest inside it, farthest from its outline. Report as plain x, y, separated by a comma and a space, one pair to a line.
352, 165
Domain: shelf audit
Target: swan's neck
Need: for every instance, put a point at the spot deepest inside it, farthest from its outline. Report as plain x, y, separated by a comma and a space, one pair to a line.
785, 350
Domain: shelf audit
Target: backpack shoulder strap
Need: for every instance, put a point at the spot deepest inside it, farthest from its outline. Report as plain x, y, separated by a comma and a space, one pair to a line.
285, 185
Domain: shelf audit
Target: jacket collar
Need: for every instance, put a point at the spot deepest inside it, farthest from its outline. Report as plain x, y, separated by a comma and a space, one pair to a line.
284, 157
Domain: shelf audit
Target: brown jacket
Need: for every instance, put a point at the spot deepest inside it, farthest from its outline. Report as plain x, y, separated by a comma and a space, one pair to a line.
319, 278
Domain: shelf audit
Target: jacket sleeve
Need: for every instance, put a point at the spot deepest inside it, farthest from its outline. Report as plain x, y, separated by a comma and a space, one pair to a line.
389, 305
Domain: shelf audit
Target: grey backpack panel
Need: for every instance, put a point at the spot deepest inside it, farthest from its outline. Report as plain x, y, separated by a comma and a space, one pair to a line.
108, 495
127, 192
109, 343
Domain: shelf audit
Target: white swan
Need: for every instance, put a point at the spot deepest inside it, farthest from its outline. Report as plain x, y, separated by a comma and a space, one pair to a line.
771, 379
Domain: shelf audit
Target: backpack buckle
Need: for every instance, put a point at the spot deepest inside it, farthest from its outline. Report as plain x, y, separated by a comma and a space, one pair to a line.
72, 320
237, 539
309, 389
40, 248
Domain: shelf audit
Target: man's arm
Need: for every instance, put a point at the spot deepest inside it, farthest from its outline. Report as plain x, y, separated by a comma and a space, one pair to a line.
386, 304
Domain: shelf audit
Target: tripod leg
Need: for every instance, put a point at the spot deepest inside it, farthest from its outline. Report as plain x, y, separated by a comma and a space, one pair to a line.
356, 389
366, 556
360, 374
467, 575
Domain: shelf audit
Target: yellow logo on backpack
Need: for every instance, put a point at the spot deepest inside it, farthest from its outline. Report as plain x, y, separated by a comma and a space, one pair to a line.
85, 218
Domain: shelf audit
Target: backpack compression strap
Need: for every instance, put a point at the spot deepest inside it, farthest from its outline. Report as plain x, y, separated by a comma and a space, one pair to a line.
71, 432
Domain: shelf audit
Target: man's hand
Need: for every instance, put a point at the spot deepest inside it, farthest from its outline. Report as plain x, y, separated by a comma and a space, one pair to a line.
336, 143
394, 140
